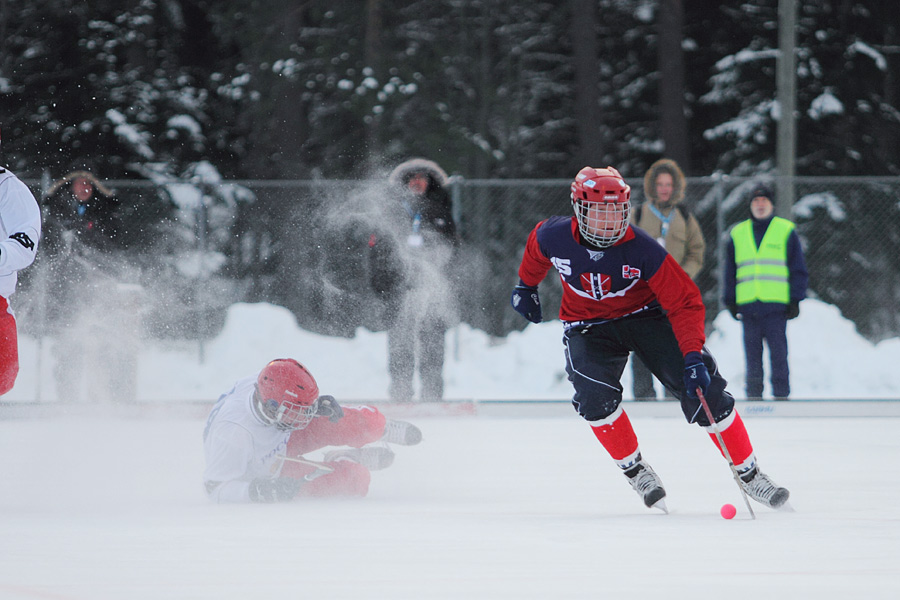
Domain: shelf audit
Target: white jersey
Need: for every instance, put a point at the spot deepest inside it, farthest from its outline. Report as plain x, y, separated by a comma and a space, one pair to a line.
239, 446
20, 230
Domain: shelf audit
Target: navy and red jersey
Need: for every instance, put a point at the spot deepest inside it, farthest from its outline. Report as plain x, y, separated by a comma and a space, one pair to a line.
604, 284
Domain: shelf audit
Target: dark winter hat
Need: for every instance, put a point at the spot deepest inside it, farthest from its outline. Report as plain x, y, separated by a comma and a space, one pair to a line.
762, 189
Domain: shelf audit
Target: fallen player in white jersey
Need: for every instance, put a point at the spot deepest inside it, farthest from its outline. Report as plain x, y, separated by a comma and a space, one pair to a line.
257, 433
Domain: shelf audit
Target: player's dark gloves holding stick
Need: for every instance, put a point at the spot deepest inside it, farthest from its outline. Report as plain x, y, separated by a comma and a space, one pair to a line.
526, 302
696, 375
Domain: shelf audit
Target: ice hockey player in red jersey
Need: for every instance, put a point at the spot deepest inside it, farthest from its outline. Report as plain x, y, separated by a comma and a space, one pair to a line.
622, 293
257, 433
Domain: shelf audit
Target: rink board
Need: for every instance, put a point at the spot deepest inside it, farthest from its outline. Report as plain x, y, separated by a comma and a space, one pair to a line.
660, 409
464, 408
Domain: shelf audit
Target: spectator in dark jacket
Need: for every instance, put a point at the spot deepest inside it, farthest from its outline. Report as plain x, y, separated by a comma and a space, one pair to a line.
765, 280
410, 261
81, 206
92, 315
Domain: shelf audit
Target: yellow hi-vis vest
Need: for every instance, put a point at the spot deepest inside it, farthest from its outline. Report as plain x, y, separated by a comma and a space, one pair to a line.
762, 273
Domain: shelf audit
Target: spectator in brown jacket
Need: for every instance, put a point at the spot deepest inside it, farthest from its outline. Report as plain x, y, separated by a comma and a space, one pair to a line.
677, 230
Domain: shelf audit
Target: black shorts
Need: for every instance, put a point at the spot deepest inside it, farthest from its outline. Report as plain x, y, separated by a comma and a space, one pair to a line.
596, 355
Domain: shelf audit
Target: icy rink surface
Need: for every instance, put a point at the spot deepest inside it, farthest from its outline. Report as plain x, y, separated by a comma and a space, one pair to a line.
486, 507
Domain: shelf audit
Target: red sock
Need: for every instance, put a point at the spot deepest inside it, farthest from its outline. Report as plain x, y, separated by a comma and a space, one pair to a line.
736, 439
618, 437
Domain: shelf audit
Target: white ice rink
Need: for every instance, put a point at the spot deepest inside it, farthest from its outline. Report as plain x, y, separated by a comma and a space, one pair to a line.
112, 508
106, 503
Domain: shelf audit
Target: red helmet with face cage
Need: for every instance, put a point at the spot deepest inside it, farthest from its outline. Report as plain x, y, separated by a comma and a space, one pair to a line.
602, 203
286, 394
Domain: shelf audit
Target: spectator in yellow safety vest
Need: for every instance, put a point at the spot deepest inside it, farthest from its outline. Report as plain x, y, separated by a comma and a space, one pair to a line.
765, 280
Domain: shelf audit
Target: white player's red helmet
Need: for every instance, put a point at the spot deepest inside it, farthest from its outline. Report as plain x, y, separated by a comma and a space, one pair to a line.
286, 394
602, 203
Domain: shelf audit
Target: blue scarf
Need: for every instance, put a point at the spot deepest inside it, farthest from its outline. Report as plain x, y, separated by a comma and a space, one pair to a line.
664, 227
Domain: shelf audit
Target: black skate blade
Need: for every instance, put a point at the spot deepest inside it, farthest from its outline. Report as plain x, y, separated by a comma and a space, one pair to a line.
654, 497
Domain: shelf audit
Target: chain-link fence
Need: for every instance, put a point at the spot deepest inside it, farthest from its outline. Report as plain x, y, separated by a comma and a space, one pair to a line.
196, 248
850, 229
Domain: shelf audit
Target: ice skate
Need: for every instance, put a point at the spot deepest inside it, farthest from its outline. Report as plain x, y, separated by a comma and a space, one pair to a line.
762, 489
373, 458
401, 432
648, 485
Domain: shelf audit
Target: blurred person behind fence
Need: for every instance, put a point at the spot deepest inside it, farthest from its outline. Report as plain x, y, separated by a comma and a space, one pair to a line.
90, 312
669, 222
411, 261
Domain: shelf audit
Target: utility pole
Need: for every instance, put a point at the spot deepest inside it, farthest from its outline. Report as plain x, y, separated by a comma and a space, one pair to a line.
786, 94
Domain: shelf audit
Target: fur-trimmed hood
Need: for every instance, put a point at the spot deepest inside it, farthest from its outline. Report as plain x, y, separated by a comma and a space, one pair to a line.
665, 165
98, 185
402, 172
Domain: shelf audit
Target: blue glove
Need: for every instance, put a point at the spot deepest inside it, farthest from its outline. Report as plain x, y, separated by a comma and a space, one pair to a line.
696, 375
526, 302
